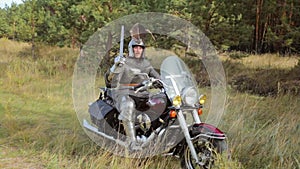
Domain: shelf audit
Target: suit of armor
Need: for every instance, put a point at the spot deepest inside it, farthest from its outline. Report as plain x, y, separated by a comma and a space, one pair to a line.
122, 76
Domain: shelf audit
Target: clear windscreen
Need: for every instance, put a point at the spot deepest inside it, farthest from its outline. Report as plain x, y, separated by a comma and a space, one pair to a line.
176, 76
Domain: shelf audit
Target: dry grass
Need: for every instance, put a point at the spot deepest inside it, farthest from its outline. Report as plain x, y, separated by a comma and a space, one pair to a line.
270, 61
264, 131
39, 128
265, 61
9, 49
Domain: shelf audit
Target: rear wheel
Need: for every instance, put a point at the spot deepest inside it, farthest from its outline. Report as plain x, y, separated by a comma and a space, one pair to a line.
206, 150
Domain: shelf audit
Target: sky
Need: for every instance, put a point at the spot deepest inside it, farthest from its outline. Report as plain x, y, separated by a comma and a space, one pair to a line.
8, 2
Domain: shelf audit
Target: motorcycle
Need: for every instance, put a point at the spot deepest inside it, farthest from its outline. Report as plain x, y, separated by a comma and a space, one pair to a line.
167, 121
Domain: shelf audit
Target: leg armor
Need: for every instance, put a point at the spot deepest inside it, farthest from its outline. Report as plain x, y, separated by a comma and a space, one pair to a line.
127, 115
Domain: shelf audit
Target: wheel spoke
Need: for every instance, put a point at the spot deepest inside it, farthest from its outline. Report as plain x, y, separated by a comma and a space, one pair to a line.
206, 154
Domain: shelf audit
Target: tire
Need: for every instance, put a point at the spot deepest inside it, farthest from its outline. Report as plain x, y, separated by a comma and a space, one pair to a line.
206, 149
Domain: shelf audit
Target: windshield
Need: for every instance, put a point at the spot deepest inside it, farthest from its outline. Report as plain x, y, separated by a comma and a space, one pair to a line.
176, 76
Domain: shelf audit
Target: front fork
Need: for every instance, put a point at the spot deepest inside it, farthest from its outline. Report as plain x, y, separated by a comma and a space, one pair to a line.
186, 133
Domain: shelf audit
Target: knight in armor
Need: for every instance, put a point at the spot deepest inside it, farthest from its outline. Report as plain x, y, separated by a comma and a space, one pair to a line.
125, 73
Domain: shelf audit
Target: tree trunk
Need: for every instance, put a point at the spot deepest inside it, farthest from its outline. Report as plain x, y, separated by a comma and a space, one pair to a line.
265, 28
291, 14
257, 24
33, 54
14, 30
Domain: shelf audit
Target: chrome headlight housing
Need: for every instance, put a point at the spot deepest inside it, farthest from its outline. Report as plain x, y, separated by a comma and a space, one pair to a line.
190, 96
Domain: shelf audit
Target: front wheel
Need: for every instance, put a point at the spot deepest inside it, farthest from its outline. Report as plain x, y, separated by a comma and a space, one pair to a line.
206, 150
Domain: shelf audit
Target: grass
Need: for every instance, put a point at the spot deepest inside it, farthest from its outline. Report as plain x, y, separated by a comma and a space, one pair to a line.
39, 127
268, 61
264, 131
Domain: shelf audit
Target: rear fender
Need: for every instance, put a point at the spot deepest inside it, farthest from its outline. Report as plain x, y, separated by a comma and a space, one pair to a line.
206, 130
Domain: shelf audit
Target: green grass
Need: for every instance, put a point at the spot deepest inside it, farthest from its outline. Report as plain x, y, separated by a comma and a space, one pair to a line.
39, 127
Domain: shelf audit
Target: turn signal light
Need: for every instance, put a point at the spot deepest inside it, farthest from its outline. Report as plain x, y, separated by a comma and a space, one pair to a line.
177, 101
202, 99
200, 112
173, 113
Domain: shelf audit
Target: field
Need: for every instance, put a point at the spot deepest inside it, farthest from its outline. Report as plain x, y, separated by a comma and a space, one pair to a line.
39, 127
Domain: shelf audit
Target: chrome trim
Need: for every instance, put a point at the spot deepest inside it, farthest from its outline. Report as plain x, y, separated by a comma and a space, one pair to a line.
95, 130
196, 117
210, 135
187, 136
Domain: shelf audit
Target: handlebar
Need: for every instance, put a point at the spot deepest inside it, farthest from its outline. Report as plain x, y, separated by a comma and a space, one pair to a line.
150, 83
135, 88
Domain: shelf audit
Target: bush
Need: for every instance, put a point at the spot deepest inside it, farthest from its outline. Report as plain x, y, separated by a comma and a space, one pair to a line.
238, 55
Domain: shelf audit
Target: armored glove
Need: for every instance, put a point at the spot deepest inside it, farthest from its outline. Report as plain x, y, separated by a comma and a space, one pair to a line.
118, 64
116, 68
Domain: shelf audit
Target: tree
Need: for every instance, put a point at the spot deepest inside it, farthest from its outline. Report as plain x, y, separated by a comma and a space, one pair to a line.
4, 27
254, 26
27, 25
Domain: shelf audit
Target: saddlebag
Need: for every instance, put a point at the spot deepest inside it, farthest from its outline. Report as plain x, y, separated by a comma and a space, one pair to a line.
98, 110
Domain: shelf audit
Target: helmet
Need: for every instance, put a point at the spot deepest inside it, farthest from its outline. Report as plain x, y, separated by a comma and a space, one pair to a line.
138, 31
135, 42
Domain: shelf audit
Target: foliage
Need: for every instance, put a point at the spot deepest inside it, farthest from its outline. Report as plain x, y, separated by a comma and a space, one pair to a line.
260, 27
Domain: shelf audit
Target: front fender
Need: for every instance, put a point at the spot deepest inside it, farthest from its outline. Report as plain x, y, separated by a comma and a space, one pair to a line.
206, 130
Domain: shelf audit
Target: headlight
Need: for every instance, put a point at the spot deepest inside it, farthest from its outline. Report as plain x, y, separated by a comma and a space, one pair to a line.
190, 96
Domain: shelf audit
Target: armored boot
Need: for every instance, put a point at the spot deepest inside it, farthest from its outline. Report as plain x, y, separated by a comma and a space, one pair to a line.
127, 116
131, 134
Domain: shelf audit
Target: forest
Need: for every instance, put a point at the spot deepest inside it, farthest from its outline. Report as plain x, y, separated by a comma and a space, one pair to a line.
254, 26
